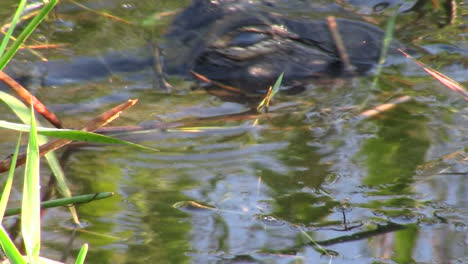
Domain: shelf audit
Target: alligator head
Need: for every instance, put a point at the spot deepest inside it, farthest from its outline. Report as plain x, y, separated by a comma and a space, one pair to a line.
244, 44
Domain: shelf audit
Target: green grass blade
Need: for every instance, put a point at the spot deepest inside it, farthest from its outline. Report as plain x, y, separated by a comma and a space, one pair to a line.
9, 180
9, 248
277, 85
23, 114
82, 254
13, 23
388, 37
74, 135
30, 213
62, 186
25, 33
16, 106
79, 199
20, 109
274, 90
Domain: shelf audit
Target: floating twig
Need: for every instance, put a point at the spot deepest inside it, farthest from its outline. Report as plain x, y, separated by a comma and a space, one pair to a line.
384, 107
443, 79
224, 86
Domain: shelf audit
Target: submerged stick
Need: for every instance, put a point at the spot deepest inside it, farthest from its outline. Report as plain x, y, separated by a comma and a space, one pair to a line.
340, 47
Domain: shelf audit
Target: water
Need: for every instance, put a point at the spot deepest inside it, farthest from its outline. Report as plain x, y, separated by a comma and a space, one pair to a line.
223, 190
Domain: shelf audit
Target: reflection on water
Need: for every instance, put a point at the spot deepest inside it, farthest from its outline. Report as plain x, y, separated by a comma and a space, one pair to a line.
307, 177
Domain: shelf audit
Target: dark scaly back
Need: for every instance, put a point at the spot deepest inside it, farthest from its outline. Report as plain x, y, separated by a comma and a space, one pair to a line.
301, 48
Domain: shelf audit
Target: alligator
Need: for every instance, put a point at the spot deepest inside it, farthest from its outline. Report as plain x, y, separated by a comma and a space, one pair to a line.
248, 46
245, 44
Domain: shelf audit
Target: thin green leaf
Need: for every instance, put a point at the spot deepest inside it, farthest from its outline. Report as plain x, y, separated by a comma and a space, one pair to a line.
26, 32
9, 248
22, 111
277, 85
82, 254
79, 199
13, 23
62, 186
9, 180
74, 135
16, 106
30, 213
388, 37
271, 93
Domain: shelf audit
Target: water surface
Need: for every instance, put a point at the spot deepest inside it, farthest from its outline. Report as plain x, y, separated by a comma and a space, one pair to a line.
260, 189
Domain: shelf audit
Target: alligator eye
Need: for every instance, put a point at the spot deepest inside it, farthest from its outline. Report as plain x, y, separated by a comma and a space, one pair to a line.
244, 39
380, 6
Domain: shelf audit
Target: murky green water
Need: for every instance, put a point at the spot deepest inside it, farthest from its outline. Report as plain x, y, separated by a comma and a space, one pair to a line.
389, 189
